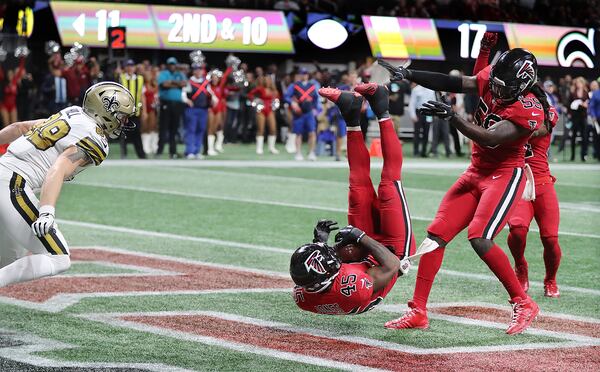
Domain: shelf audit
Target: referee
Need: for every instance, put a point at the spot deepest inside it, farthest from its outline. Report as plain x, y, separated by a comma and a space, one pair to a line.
135, 84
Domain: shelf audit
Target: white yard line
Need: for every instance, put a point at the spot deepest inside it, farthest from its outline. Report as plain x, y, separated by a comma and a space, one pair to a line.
30, 354
268, 202
231, 345
571, 340
232, 244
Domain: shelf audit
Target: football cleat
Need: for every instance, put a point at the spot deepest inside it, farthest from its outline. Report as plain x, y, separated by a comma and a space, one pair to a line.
522, 273
377, 95
349, 103
524, 312
413, 318
551, 289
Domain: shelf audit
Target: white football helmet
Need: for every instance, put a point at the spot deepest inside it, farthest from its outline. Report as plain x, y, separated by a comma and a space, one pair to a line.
111, 105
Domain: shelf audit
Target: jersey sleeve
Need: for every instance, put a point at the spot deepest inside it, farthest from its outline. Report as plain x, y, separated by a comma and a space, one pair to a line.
84, 134
527, 112
483, 80
553, 116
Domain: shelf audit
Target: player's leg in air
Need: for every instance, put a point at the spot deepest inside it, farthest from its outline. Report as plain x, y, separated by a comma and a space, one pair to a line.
395, 224
362, 199
547, 216
519, 222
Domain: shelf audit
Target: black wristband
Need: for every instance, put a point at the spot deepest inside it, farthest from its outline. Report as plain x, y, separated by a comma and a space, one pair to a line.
436, 81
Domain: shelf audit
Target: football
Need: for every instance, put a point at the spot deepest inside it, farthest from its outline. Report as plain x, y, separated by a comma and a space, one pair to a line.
352, 253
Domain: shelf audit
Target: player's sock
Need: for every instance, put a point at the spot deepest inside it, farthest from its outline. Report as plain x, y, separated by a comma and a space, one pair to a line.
552, 255
358, 158
429, 265
378, 98
498, 262
517, 240
33, 267
392, 150
349, 104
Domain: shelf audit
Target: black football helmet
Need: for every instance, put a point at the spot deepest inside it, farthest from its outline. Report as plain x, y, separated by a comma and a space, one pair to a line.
513, 74
314, 266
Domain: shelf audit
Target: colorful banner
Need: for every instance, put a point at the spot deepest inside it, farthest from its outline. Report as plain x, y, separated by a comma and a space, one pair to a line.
173, 27
403, 38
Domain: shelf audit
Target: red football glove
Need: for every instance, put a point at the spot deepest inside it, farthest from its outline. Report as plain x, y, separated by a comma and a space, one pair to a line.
489, 40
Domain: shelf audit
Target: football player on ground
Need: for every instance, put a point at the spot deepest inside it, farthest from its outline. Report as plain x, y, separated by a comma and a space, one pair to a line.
325, 284
544, 206
42, 155
483, 197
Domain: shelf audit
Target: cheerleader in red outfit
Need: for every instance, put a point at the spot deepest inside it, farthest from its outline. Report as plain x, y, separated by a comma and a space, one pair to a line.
216, 114
266, 91
544, 207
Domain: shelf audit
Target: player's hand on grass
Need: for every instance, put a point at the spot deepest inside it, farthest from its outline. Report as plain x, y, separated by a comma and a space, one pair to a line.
435, 108
323, 229
489, 40
348, 235
397, 73
45, 222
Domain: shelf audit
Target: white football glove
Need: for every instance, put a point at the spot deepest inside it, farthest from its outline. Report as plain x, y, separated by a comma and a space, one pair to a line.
405, 265
45, 222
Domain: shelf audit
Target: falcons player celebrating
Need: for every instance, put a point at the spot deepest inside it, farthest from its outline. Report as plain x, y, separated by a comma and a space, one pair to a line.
544, 206
325, 284
483, 197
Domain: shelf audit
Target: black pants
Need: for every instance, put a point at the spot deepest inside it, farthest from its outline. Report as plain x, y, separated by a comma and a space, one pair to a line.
579, 126
456, 140
133, 136
440, 133
421, 137
168, 124
231, 125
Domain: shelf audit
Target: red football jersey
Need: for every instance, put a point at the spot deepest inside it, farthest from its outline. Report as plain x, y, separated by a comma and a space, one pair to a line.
527, 112
350, 293
536, 154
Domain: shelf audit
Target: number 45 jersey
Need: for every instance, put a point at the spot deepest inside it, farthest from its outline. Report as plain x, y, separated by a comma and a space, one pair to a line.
350, 293
33, 154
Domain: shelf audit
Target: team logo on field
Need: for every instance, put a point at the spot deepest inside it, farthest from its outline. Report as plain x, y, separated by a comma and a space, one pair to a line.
527, 71
110, 103
315, 262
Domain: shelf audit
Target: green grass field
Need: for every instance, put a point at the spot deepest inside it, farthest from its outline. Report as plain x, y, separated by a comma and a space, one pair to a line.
182, 265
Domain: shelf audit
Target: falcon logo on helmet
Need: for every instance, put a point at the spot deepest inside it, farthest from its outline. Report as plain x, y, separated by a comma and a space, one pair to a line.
526, 71
315, 262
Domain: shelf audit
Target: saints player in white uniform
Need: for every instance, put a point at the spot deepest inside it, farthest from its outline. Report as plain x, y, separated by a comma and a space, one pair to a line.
42, 154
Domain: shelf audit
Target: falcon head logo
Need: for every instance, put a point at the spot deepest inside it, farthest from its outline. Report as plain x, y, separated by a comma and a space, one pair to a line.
110, 103
527, 71
314, 262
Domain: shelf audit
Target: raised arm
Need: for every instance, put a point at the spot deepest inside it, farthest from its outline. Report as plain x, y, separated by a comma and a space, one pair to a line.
390, 263
488, 41
432, 80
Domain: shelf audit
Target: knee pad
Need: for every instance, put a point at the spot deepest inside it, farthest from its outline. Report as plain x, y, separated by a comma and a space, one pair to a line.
60, 263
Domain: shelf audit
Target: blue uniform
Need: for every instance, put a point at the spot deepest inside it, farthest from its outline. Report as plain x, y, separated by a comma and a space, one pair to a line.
196, 116
305, 94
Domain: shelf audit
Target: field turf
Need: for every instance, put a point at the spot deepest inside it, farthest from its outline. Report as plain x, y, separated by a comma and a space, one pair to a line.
182, 265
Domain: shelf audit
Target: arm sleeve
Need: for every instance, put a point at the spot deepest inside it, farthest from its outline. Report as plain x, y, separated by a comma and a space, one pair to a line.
482, 61
483, 80
162, 77
436, 81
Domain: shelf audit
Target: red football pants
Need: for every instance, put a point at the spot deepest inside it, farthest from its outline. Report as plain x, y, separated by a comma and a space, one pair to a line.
383, 215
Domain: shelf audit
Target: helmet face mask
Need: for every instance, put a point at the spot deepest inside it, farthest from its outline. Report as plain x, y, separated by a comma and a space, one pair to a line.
314, 267
110, 105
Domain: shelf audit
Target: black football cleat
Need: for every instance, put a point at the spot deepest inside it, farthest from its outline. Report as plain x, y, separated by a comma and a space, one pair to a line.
377, 95
349, 103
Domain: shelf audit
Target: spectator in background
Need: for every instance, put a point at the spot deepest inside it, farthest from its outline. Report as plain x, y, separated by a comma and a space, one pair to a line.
170, 82
594, 112
197, 95
578, 112
418, 96
78, 81
304, 104
54, 91
457, 100
135, 85
25, 97
232, 113
440, 129
149, 129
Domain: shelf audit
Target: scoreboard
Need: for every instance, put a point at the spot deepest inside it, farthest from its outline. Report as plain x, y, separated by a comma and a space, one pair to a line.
173, 27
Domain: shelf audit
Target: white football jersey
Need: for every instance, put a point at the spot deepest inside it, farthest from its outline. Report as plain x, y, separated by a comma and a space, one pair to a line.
32, 154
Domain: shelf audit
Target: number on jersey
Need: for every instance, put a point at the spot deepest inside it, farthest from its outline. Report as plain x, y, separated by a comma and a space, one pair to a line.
348, 285
45, 135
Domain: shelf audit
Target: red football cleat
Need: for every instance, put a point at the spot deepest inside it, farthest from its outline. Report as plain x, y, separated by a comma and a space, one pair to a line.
522, 273
414, 318
332, 94
524, 313
551, 289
